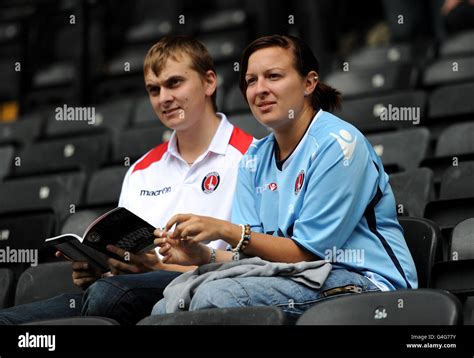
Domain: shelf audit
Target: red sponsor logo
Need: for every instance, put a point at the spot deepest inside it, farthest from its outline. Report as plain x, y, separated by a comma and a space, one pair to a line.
273, 186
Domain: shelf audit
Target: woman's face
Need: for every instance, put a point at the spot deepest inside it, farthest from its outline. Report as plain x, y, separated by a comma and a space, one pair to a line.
275, 90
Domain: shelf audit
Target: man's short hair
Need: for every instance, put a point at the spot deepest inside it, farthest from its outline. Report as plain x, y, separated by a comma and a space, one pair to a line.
174, 47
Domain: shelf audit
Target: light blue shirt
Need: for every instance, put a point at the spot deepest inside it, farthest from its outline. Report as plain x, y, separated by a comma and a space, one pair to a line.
332, 197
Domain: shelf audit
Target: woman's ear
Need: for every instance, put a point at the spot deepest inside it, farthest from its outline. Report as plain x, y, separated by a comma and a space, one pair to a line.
311, 81
210, 83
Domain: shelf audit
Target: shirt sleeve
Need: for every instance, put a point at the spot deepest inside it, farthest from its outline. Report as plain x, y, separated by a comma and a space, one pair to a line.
337, 194
244, 205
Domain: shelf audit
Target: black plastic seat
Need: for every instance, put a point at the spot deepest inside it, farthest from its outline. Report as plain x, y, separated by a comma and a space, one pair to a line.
412, 191
130, 145
54, 192
456, 139
462, 241
441, 72
75, 321
458, 45
82, 218
453, 101
413, 141
261, 315
76, 153
24, 130
424, 241
45, 281
6, 160
114, 115
225, 46
373, 81
455, 276
144, 115
402, 307
7, 287
223, 20
365, 113
458, 181
234, 101
249, 124
105, 186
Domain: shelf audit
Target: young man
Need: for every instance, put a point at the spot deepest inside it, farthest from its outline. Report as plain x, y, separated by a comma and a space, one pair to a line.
196, 171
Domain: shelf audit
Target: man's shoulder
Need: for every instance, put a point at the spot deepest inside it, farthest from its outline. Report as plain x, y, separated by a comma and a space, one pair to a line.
153, 156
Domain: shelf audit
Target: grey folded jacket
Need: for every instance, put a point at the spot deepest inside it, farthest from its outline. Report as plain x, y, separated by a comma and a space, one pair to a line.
179, 292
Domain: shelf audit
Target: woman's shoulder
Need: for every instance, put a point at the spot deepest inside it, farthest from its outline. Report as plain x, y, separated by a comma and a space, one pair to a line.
329, 126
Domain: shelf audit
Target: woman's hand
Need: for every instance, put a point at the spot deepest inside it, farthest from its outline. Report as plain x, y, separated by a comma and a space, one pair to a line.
181, 252
198, 228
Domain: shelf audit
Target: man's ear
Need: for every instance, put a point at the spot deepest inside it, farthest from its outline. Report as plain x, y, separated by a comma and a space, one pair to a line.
210, 83
311, 80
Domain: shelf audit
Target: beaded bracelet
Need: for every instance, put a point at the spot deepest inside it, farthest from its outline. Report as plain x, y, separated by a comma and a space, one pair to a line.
244, 238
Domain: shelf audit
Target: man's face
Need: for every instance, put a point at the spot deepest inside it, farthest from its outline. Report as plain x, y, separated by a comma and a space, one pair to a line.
177, 94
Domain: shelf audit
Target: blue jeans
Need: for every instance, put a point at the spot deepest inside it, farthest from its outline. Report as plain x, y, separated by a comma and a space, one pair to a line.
293, 297
125, 298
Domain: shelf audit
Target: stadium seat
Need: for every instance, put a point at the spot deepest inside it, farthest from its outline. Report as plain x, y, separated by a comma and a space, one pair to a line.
457, 139
223, 20
80, 220
242, 316
424, 241
75, 321
365, 113
373, 81
455, 276
402, 307
130, 145
453, 101
234, 101
458, 181
105, 185
10, 84
249, 124
226, 46
23, 130
144, 115
444, 71
412, 190
462, 241
114, 115
76, 153
458, 45
448, 213
7, 283
56, 192
45, 281
6, 160
414, 142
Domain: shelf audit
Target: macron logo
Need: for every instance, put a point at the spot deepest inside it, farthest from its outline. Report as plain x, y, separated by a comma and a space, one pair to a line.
37, 341
165, 190
347, 144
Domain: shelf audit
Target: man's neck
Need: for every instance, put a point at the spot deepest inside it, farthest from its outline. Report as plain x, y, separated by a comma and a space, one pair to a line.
195, 140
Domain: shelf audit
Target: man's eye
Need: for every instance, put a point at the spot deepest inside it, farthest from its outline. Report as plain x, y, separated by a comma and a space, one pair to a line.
175, 82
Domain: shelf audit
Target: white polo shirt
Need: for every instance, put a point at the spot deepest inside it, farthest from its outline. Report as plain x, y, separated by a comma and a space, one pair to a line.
161, 184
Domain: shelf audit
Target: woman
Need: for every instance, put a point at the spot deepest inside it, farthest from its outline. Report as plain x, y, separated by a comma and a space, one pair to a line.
313, 189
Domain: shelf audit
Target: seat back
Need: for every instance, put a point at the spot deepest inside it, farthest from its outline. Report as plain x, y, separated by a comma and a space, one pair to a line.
456, 140
458, 181
105, 186
45, 281
423, 239
401, 307
262, 315
7, 283
462, 241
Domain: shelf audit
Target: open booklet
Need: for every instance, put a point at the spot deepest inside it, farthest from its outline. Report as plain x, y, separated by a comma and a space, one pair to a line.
119, 227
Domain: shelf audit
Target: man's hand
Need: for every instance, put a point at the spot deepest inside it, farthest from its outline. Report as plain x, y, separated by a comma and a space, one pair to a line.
181, 252
82, 274
134, 263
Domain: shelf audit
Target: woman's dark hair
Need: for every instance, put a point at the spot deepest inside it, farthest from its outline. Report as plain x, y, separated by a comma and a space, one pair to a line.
324, 96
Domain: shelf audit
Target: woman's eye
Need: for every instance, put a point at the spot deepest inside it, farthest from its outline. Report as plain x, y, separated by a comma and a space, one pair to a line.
274, 76
250, 81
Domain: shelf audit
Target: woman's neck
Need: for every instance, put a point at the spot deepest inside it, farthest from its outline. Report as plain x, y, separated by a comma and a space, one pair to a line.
289, 136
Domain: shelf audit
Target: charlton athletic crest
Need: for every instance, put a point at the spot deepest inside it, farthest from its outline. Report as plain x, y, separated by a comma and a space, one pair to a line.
210, 182
299, 182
